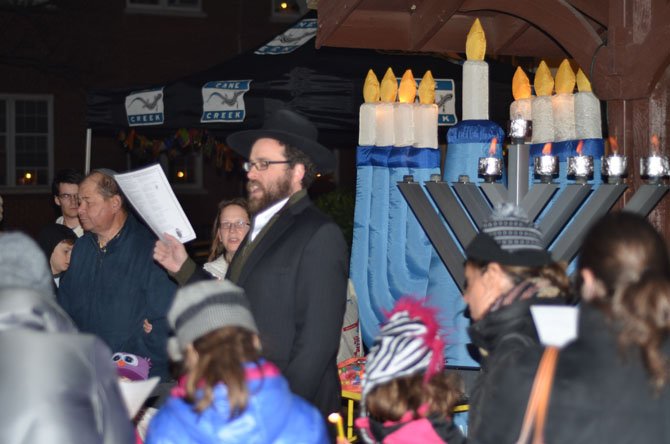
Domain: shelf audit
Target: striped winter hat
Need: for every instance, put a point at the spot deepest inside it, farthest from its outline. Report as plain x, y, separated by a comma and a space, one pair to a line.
509, 238
408, 343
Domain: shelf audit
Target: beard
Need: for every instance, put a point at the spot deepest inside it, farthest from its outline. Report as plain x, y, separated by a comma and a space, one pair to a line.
269, 196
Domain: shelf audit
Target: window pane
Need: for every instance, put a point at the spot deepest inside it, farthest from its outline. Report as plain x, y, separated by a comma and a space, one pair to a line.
31, 151
31, 116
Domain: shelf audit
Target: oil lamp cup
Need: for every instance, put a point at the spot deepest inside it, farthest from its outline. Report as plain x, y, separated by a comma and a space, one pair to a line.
520, 131
614, 167
654, 168
490, 168
546, 167
581, 168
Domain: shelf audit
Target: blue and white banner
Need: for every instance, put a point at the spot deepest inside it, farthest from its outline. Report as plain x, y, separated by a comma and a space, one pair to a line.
145, 107
290, 40
445, 99
223, 101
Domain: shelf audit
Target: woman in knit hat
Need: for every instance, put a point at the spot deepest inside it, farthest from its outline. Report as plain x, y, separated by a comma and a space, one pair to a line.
406, 396
229, 394
612, 384
507, 270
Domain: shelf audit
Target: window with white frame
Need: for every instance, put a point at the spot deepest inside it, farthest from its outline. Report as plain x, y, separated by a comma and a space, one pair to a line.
165, 6
26, 140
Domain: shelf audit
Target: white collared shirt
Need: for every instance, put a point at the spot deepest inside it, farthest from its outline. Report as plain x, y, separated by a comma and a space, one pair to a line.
262, 218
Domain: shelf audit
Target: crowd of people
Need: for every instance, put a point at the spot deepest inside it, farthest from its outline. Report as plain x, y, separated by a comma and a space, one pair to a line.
246, 345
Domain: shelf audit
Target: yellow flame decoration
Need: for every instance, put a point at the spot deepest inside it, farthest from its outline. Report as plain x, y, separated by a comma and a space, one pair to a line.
544, 82
475, 43
565, 78
583, 84
520, 85
427, 89
371, 88
389, 88
407, 89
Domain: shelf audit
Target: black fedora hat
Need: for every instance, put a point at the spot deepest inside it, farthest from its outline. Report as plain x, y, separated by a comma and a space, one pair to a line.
289, 128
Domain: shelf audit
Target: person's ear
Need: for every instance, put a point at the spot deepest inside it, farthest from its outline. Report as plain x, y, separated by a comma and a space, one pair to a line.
591, 288
116, 202
57, 200
257, 343
496, 279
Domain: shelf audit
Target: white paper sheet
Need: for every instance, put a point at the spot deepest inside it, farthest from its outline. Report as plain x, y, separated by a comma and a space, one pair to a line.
134, 393
556, 325
149, 191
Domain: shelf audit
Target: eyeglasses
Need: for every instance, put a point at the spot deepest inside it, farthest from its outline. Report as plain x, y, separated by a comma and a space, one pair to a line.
237, 226
261, 165
70, 197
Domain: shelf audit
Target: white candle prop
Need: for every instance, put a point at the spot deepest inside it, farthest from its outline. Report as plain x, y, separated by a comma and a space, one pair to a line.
425, 114
425, 126
541, 109
367, 124
543, 120
563, 110
388, 91
588, 120
475, 90
403, 124
384, 125
614, 167
403, 117
521, 110
563, 103
475, 75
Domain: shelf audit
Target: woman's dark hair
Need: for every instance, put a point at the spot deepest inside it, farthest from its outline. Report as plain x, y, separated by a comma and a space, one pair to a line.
555, 273
629, 260
390, 401
221, 357
217, 248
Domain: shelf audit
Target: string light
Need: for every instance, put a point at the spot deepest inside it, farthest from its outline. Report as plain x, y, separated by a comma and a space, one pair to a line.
181, 174
283, 5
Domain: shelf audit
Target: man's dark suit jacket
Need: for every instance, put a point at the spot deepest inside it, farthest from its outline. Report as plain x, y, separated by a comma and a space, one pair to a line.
295, 276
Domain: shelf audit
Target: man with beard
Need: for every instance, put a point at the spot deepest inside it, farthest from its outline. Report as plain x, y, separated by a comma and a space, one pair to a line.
293, 263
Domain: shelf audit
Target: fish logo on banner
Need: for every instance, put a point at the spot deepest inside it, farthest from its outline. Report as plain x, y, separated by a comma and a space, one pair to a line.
223, 101
145, 107
445, 99
292, 39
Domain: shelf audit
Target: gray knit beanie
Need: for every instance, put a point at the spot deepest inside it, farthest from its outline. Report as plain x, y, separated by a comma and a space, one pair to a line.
509, 238
206, 306
23, 264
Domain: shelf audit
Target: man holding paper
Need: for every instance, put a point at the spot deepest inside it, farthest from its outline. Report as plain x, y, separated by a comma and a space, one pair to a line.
113, 284
293, 263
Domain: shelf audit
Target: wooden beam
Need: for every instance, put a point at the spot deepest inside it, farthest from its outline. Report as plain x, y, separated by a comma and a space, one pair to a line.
559, 20
597, 10
429, 17
332, 14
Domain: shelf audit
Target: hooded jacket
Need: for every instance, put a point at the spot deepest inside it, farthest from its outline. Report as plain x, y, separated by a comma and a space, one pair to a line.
273, 415
59, 386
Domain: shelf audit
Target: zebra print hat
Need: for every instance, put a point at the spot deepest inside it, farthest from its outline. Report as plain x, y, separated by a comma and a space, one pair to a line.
407, 344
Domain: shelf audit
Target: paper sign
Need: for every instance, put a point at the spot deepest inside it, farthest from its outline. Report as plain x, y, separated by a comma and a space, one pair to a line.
149, 191
556, 325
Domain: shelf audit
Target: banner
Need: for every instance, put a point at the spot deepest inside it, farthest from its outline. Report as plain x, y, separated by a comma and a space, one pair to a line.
223, 101
145, 107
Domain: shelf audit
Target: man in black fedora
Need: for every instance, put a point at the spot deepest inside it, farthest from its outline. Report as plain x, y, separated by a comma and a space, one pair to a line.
293, 263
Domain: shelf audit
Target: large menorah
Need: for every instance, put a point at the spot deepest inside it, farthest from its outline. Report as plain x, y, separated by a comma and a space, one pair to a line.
466, 205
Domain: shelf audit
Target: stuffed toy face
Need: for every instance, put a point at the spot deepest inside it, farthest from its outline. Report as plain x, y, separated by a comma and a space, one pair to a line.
131, 366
